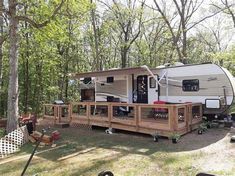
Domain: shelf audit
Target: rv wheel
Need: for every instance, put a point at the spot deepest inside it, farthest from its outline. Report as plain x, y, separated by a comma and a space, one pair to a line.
232, 139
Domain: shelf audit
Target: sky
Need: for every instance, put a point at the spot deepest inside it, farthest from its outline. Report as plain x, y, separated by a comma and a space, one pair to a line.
220, 22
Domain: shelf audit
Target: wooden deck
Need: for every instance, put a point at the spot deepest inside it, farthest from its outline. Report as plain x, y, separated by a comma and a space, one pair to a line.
163, 119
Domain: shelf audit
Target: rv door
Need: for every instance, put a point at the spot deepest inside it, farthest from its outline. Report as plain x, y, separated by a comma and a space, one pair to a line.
152, 89
142, 89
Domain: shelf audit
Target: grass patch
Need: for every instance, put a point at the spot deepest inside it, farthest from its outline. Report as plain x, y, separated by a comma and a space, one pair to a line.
87, 153
2, 132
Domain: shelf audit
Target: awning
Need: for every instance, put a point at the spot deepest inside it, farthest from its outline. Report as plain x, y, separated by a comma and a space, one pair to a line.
111, 72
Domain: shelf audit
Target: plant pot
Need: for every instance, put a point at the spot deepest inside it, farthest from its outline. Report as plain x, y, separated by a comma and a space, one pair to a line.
155, 138
174, 141
199, 132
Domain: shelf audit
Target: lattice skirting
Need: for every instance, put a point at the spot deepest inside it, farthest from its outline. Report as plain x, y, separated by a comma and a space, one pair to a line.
13, 141
81, 126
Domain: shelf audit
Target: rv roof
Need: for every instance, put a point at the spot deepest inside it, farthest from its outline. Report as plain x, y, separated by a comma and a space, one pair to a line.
122, 71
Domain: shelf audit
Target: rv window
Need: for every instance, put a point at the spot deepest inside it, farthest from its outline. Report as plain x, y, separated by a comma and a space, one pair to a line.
213, 104
87, 80
152, 83
190, 85
110, 79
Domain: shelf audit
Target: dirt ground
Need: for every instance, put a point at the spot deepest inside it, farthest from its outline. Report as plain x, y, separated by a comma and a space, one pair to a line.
81, 151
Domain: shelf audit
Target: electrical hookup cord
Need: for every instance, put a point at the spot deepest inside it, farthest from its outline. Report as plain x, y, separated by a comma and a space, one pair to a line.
34, 150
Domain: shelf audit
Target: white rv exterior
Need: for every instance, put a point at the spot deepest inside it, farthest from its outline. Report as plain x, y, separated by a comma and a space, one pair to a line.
209, 84
215, 89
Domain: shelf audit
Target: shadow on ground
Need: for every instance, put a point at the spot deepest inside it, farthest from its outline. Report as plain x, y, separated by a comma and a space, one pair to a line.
83, 140
85, 152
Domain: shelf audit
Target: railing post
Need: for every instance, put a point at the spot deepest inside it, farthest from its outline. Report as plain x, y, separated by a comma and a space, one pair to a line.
173, 118
190, 117
176, 118
59, 113
88, 112
136, 116
70, 113
55, 113
110, 114
139, 115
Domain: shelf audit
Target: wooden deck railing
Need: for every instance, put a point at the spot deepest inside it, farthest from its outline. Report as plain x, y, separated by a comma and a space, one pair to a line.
144, 118
57, 113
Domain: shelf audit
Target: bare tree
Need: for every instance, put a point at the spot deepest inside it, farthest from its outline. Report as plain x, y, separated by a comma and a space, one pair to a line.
151, 40
227, 7
181, 22
129, 21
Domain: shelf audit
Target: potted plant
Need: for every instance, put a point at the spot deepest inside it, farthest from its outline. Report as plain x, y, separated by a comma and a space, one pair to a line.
155, 136
175, 137
202, 128
208, 124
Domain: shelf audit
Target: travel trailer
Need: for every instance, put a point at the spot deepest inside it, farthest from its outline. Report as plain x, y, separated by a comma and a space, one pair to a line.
207, 83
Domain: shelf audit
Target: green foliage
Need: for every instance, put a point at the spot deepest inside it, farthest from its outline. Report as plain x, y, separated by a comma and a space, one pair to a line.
67, 45
175, 136
2, 132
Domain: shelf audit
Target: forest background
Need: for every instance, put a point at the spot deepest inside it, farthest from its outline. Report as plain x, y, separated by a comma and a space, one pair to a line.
56, 37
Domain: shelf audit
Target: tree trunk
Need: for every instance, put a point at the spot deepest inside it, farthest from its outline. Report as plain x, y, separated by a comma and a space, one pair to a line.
1, 61
26, 69
1, 54
26, 84
95, 30
66, 70
66, 82
1, 82
124, 56
12, 108
184, 32
184, 49
39, 88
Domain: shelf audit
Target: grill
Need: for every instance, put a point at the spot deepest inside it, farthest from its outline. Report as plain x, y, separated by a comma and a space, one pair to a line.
59, 102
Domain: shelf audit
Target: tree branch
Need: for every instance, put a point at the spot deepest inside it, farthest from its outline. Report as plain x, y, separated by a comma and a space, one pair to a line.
230, 11
3, 38
178, 7
203, 19
40, 25
226, 7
